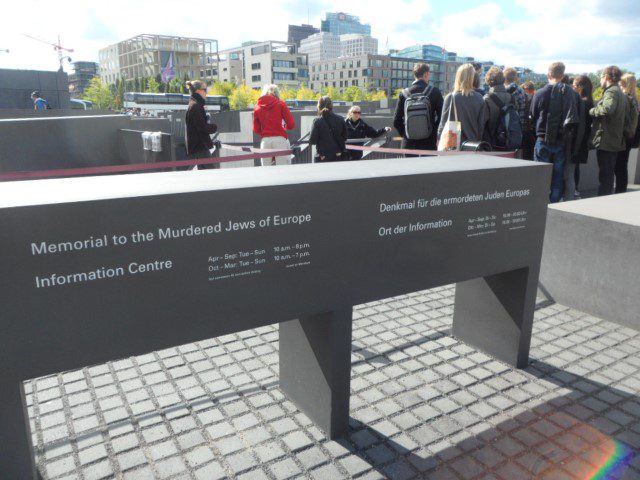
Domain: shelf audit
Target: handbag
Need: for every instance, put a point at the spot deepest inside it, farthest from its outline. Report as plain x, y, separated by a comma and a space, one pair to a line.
452, 131
344, 154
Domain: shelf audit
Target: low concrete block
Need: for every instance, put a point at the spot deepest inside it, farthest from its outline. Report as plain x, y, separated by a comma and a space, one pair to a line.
591, 256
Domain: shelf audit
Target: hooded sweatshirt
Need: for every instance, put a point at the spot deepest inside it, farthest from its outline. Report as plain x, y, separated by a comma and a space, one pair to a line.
271, 116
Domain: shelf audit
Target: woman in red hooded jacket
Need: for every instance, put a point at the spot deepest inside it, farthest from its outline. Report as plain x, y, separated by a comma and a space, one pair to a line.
271, 120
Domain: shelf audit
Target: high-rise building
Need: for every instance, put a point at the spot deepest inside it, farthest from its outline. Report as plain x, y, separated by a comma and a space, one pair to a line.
427, 52
340, 23
300, 32
83, 73
267, 62
320, 46
379, 72
150, 55
355, 44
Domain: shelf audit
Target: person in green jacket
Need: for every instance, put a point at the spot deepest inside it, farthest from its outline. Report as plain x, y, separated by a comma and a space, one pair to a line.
608, 127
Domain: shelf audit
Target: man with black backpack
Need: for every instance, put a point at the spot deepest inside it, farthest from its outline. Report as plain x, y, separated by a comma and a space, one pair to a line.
503, 130
418, 112
555, 114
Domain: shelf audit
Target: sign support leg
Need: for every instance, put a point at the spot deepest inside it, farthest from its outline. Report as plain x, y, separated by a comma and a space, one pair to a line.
315, 367
495, 314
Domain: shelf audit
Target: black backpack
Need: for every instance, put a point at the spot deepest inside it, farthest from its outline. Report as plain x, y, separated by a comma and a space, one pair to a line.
418, 118
508, 131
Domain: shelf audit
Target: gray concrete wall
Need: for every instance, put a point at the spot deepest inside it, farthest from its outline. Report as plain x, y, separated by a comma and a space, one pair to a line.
16, 87
31, 113
60, 142
589, 171
131, 150
591, 257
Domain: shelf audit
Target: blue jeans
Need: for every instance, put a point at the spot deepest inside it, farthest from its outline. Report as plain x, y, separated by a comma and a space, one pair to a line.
555, 155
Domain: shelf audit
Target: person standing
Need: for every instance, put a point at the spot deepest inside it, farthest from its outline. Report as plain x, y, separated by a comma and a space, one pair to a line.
358, 128
518, 95
496, 98
328, 133
418, 125
198, 130
553, 110
629, 85
529, 129
573, 143
39, 103
583, 86
271, 117
468, 103
477, 66
607, 132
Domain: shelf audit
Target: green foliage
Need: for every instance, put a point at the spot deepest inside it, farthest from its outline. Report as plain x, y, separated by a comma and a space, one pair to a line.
243, 97
353, 94
222, 88
288, 93
397, 93
305, 93
376, 95
100, 94
597, 93
332, 92
119, 100
152, 86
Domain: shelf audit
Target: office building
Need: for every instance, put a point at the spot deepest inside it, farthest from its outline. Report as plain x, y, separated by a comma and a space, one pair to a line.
298, 33
320, 46
268, 62
372, 72
150, 55
340, 23
354, 44
79, 79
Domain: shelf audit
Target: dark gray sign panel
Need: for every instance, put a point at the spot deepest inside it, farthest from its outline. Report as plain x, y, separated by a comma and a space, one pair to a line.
97, 269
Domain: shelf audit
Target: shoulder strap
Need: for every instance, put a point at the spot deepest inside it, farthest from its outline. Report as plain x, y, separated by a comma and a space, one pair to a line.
496, 100
333, 134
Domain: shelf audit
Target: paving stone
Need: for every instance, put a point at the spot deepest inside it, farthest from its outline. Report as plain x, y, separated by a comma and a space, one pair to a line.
425, 405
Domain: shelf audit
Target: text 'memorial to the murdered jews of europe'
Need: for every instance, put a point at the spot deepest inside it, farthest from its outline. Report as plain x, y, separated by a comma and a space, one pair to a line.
96, 269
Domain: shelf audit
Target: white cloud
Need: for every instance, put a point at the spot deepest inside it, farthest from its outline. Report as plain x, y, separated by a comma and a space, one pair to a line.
586, 35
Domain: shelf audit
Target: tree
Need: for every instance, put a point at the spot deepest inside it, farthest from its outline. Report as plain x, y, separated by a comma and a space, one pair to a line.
120, 94
332, 93
397, 93
305, 93
376, 95
222, 88
353, 94
137, 85
243, 97
288, 93
99, 94
153, 86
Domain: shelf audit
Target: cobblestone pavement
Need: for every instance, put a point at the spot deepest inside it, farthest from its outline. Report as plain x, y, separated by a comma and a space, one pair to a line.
423, 405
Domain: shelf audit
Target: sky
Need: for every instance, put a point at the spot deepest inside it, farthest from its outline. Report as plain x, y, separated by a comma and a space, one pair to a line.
587, 35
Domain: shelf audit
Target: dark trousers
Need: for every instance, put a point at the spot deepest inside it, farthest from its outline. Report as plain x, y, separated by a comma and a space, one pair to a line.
426, 144
607, 165
204, 154
621, 171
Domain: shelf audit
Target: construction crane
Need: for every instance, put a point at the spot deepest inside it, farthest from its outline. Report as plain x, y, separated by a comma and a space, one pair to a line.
56, 46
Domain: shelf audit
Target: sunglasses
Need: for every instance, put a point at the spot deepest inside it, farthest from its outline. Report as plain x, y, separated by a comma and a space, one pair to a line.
356, 112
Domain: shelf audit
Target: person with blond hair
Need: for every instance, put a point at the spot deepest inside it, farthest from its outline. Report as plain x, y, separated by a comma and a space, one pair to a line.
629, 85
271, 120
357, 129
465, 105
